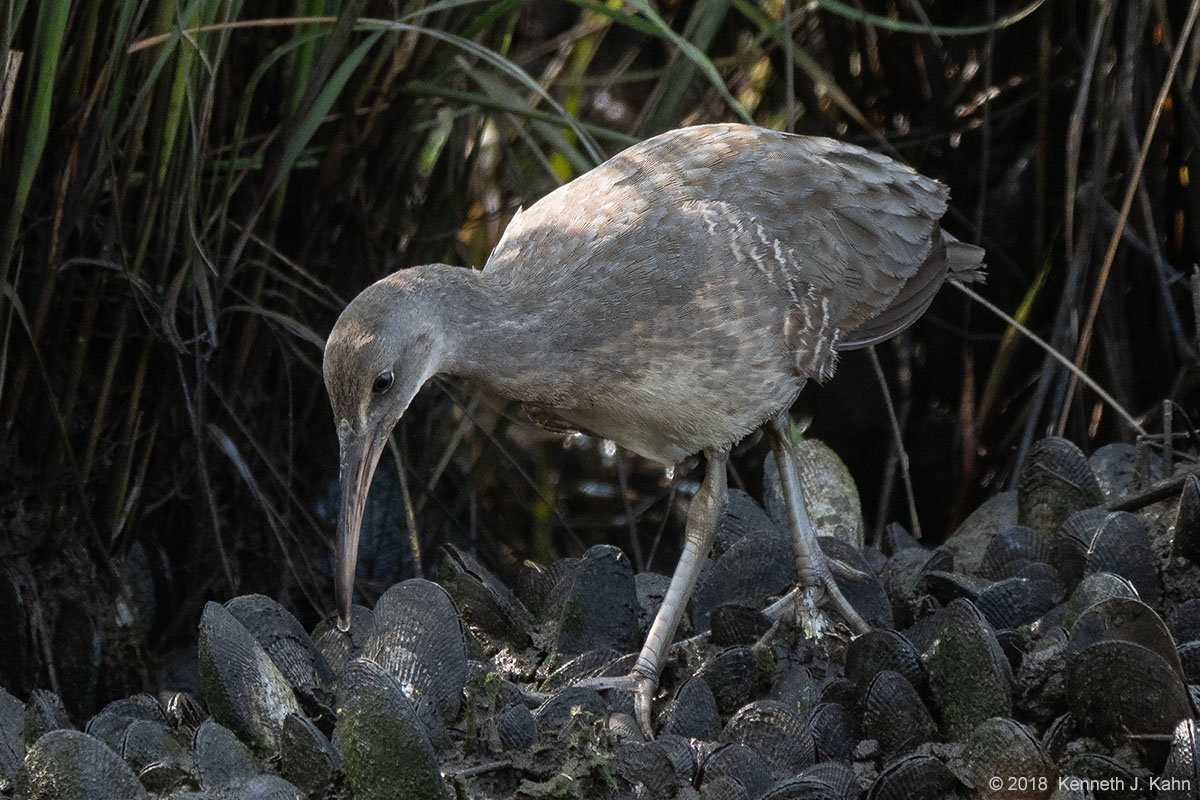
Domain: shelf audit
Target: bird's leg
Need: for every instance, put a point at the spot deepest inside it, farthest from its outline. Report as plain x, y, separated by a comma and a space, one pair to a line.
816, 579
704, 515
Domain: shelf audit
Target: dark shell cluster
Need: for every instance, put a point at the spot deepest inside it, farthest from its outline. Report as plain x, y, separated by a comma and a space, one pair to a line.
1049, 649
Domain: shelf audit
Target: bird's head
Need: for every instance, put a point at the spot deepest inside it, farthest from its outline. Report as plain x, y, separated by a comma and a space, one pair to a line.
384, 347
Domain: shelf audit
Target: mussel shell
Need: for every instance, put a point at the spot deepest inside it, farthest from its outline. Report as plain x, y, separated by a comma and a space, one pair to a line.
968, 544
1101, 770
867, 596
904, 574
874, 559
516, 727
1005, 748
184, 712
753, 568
44, 713
896, 538
1058, 735
600, 610
833, 689
482, 599
1121, 619
381, 738
1092, 590
913, 777
114, 719
307, 758
734, 624
775, 732
1181, 775
837, 776
221, 758
543, 588
647, 768
724, 787
1185, 539
1013, 602
1118, 472
684, 755
287, 643
340, 647
1189, 660
1183, 620
154, 755
734, 762
692, 713
924, 631
243, 688
1055, 482
795, 688
736, 676
1011, 549
833, 732
1122, 546
12, 726
622, 727
418, 638
651, 590
1118, 688
969, 676
70, 765
894, 715
802, 787
742, 517
269, 787
944, 586
830, 494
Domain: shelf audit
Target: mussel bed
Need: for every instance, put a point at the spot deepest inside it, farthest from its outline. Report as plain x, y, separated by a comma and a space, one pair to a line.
1050, 648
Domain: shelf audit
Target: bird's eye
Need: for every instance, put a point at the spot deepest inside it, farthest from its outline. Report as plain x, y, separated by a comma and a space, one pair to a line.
383, 382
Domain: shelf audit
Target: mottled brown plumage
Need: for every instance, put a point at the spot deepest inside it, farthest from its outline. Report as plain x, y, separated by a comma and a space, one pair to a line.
673, 299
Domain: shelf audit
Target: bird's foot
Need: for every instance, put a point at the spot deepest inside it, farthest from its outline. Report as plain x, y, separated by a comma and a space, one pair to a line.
803, 606
642, 687
806, 601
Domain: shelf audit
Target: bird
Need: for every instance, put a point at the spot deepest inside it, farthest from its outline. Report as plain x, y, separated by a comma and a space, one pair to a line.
674, 300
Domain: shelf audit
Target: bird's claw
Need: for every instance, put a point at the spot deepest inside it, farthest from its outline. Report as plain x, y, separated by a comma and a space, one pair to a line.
643, 688
844, 570
643, 695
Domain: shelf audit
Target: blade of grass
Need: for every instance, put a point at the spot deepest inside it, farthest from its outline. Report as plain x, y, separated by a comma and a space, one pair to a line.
816, 73
900, 26
51, 32
189, 17
695, 55
702, 27
1054, 354
517, 108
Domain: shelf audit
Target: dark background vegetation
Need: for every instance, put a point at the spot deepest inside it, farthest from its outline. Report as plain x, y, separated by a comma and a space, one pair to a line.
195, 188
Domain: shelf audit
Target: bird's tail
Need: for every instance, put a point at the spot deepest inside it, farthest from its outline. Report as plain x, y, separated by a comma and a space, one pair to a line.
964, 261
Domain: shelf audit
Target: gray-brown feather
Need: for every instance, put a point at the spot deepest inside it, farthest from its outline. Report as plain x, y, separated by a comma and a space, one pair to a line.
724, 265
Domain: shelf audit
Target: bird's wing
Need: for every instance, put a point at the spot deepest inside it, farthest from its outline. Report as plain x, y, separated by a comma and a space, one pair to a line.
823, 218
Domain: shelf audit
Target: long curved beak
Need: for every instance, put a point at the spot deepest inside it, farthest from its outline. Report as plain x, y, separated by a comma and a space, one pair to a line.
359, 456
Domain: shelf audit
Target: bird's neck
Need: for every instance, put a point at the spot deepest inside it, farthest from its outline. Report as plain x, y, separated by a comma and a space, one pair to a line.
497, 337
